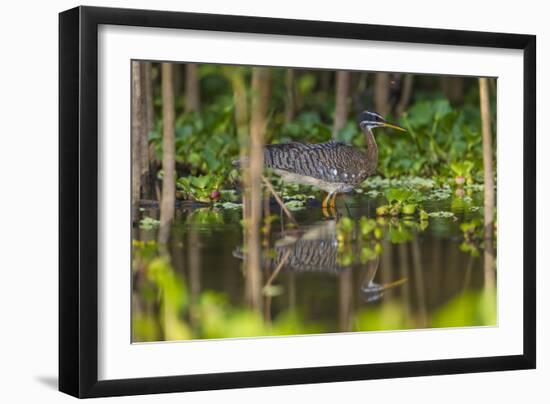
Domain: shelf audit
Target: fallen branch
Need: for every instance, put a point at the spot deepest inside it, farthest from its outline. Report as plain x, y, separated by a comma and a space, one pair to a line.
279, 200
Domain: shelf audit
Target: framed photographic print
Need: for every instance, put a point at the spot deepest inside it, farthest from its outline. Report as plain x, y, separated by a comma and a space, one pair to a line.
251, 201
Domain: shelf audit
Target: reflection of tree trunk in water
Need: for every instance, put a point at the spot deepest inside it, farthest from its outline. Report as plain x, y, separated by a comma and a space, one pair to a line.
404, 269
345, 299
382, 93
290, 105
341, 109
137, 122
488, 179
435, 272
291, 281
405, 95
147, 152
194, 251
452, 270
265, 244
468, 274
453, 87
192, 87
387, 266
419, 283
167, 207
266, 231
258, 121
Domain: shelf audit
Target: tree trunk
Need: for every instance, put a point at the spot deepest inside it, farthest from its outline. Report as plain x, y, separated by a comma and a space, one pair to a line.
382, 93
147, 126
261, 83
453, 87
236, 76
405, 95
359, 91
341, 110
148, 99
168, 199
488, 178
137, 123
290, 105
192, 88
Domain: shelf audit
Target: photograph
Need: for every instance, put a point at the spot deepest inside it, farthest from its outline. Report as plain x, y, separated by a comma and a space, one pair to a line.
272, 201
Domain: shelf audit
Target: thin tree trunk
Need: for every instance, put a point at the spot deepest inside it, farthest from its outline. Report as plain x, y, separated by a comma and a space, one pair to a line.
341, 110
382, 93
168, 199
325, 80
405, 94
192, 88
359, 90
453, 87
147, 126
488, 178
290, 105
261, 83
137, 123
154, 163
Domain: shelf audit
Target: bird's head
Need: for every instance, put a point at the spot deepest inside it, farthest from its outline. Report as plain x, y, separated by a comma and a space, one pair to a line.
370, 120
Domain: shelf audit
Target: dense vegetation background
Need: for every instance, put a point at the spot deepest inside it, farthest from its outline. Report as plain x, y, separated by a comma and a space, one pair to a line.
189, 121
441, 113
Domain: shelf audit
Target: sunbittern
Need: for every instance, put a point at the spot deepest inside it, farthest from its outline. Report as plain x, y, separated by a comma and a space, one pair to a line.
333, 166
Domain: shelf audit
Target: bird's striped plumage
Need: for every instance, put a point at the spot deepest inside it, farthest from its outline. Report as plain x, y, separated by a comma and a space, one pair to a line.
331, 162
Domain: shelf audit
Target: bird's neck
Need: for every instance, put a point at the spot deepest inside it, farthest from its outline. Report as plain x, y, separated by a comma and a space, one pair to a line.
372, 151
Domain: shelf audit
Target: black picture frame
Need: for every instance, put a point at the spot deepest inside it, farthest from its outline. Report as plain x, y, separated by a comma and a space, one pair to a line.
78, 201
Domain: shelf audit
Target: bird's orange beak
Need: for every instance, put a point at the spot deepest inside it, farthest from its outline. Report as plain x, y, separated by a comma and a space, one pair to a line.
391, 125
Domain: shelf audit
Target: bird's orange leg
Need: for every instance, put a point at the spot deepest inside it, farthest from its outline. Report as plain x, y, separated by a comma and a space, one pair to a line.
333, 201
332, 205
325, 205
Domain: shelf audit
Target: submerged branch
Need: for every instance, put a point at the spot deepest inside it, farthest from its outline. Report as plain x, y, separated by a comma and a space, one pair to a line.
279, 200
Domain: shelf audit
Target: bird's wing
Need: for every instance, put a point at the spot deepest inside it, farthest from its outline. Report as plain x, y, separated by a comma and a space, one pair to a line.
331, 161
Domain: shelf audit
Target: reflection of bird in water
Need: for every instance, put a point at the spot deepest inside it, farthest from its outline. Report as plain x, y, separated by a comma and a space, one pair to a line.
333, 166
316, 250
372, 291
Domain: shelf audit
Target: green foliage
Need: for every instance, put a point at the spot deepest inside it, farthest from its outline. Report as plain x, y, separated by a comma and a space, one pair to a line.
473, 237
148, 223
401, 201
204, 188
389, 316
215, 316
468, 309
206, 142
438, 136
172, 296
442, 140
306, 127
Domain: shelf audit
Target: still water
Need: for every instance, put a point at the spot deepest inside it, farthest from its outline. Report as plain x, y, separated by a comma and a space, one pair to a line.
350, 273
